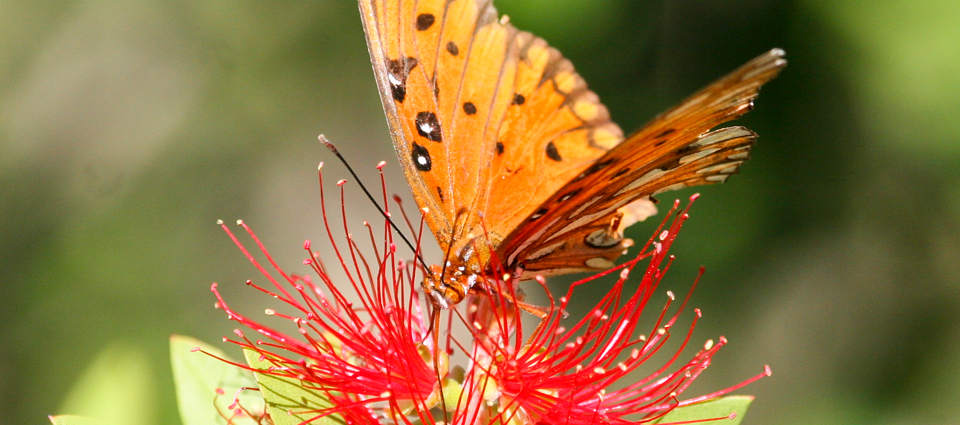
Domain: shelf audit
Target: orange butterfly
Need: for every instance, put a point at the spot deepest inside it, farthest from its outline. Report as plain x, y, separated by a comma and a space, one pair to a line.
515, 159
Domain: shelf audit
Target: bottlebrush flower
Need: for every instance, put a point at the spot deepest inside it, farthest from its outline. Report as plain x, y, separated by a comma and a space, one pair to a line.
365, 346
559, 375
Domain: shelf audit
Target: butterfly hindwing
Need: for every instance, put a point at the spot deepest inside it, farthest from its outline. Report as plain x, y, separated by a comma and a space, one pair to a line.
555, 128
677, 149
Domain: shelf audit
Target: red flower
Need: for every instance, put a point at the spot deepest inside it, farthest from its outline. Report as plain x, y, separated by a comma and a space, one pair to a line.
366, 356
566, 376
373, 357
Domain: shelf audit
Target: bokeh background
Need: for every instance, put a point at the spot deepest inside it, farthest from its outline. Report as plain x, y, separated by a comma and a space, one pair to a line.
128, 128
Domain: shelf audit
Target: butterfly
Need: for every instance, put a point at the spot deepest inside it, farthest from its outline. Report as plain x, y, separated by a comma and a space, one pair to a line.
512, 157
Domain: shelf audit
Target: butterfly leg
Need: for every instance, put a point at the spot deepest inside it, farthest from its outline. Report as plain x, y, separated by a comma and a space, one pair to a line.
540, 312
515, 297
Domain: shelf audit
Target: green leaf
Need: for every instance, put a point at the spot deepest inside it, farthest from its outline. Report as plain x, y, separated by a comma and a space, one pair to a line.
73, 420
711, 409
288, 402
198, 376
117, 387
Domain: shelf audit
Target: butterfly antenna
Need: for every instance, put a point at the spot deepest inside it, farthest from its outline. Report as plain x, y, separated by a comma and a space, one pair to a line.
323, 139
403, 212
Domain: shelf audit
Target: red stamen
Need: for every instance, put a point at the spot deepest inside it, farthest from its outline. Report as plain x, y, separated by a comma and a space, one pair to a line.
374, 360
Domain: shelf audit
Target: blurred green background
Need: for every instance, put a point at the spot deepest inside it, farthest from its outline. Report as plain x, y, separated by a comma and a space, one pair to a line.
128, 128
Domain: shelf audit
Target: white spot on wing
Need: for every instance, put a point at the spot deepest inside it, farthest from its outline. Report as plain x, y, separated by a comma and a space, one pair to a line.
545, 251
598, 263
731, 169
644, 179
727, 167
585, 220
671, 187
723, 134
533, 238
583, 207
696, 155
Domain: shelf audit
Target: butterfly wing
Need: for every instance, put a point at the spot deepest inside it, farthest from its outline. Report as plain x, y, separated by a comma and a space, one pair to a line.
577, 228
488, 121
406, 89
554, 130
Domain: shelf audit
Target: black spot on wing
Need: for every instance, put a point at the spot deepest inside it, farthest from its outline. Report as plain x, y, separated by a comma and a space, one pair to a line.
688, 148
539, 213
499, 148
428, 126
519, 99
552, 152
397, 72
440, 193
453, 49
469, 108
421, 158
597, 166
671, 164
425, 21
569, 195
666, 132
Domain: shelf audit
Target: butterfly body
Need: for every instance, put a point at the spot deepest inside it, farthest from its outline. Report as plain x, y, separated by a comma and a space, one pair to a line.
448, 285
515, 160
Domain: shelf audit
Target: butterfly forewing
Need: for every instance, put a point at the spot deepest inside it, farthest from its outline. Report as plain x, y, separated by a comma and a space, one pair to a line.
392, 67
487, 120
675, 150
479, 100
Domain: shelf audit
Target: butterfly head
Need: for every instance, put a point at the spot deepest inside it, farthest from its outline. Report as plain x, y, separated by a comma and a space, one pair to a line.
448, 286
